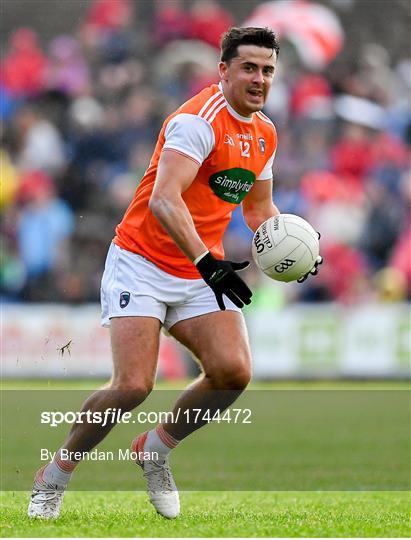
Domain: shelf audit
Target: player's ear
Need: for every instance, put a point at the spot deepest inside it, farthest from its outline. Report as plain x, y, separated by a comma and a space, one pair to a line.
222, 70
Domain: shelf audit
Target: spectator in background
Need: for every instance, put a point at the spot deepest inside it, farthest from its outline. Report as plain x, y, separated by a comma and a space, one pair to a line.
43, 229
352, 154
87, 116
23, 70
401, 259
346, 278
310, 95
12, 271
106, 31
400, 255
40, 145
388, 162
335, 205
8, 103
92, 149
68, 70
116, 79
208, 21
107, 16
9, 180
390, 285
382, 225
88, 138
170, 22
138, 124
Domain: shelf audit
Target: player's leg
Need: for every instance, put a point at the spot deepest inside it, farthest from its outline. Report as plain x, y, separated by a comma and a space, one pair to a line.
135, 344
219, 340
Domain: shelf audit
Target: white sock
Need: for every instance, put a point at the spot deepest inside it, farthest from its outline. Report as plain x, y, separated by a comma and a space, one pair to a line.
58, 472
158, 440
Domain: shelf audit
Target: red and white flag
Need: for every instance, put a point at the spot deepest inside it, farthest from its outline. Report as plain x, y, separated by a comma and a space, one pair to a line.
314, 29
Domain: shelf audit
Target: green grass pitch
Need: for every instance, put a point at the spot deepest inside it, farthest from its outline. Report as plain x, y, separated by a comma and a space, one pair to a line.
289, 513
216, 514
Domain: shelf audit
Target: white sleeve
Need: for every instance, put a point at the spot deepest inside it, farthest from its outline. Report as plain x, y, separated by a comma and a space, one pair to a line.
267, 172
190, 135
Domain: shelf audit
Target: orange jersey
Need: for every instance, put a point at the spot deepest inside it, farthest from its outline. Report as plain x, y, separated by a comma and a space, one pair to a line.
233, 151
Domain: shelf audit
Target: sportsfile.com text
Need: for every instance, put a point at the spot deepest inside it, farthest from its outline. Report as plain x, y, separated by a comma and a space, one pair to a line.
117, 416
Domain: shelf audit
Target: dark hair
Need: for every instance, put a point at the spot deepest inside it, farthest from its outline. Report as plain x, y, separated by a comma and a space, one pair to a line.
231, 40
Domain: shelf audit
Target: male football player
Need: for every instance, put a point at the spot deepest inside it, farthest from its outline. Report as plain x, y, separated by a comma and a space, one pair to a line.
166, 265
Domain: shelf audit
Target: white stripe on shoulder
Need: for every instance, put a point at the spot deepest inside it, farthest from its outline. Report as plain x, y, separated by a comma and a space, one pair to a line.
224, 104
213, 108
263, 117
217, 95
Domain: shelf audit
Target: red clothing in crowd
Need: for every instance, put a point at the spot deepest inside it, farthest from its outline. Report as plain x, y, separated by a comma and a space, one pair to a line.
23, 70
109, 14
208, 21
344, 272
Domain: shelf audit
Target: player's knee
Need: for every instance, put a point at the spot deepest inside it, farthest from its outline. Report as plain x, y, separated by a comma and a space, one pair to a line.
131, 392
239, 379
236, 376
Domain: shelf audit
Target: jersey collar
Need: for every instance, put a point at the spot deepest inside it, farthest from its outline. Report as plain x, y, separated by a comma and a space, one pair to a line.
234, 113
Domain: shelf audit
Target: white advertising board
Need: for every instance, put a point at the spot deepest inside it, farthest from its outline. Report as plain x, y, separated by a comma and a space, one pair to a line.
298, 341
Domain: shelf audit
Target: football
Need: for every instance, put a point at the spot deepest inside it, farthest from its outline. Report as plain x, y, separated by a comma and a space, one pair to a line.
285, 247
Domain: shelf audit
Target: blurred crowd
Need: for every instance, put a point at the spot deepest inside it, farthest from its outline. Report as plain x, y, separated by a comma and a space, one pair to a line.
80, 118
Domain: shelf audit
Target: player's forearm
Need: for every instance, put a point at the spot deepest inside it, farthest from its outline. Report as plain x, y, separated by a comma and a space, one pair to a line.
176, 219
255, 216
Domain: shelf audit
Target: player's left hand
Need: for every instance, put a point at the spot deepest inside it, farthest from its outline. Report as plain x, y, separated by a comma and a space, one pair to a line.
315, 269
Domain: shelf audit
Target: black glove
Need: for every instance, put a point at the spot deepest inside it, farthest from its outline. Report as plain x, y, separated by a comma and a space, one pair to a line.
222, 278
314, 270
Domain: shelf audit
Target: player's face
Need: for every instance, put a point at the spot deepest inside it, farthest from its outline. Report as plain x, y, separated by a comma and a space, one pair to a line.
248, 77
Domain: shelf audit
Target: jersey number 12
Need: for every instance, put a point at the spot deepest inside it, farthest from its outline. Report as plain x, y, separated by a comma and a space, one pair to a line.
245, 148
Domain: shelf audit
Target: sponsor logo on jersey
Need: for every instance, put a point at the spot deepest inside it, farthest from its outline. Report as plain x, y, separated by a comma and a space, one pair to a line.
232, 185
228, 139
124, 299
261, 142
245, 136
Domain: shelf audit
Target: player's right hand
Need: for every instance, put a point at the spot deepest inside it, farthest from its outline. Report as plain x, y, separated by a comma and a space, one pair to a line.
222, 278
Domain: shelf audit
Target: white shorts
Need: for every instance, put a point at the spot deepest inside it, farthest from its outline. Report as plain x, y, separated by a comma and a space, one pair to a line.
132, 286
